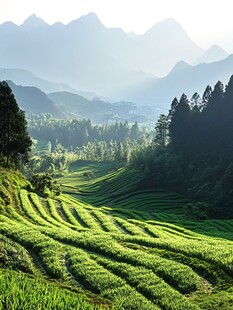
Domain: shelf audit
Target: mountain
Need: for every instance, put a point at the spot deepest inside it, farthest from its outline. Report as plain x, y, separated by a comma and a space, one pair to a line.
96, 110
163, 45
33, 100
181, 65
67, 105
34, 22
214, 53
26, 78
160, 92
86, 55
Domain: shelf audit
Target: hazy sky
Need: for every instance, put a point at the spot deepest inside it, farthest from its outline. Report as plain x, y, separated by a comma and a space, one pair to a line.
206, 21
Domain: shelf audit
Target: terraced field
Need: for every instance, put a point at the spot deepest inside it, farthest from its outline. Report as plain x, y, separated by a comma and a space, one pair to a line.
102, 240
122, 193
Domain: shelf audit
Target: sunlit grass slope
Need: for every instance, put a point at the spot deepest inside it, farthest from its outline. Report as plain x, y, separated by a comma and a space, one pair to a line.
123, 193
95, 242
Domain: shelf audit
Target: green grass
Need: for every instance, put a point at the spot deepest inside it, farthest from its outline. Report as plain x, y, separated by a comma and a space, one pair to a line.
110, 238
122, 192
20, 292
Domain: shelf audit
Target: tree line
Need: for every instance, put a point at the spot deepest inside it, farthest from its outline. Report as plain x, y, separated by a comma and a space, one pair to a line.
193, 147
58, 160
75, 133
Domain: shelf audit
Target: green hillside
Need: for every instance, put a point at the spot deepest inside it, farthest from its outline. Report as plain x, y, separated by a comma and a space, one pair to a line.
125, 248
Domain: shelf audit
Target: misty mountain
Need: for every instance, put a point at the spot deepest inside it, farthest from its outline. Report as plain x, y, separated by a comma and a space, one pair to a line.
188, 80
214, 53
26, 78
161, 47
33, 100
86, 55
181, 65
97, 110
68, 105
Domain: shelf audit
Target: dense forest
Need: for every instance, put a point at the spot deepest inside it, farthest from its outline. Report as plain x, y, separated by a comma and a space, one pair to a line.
74, 133
192, 153
70, 140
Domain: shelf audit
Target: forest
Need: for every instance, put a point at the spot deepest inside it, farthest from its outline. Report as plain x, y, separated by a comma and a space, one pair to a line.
192, 151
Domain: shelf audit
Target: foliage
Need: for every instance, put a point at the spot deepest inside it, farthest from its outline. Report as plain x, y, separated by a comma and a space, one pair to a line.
58, 161
196, 211
41, 182
75, 133
15, 142
198, 159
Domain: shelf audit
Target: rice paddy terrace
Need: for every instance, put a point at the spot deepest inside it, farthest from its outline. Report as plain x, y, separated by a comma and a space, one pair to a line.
107, 243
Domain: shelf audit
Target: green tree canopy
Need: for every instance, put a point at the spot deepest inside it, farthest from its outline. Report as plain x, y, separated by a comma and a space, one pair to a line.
15, 142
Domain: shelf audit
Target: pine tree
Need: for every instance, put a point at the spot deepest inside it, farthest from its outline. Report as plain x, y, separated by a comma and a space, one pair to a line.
206, 97
162, 127
178, 128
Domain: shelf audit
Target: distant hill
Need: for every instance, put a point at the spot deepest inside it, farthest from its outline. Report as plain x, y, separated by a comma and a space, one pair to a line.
97, 110
182, 79
214, 53
27, 78
181, 65
86, 55
33, 100
67, 105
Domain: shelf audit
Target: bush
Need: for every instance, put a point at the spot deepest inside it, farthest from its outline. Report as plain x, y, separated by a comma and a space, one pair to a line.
44, 181
88, 174
196, 211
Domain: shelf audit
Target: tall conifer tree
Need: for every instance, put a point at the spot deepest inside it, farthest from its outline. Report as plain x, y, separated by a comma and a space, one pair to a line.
15, 142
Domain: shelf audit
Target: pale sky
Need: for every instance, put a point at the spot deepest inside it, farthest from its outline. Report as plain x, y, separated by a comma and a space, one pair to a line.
206, 21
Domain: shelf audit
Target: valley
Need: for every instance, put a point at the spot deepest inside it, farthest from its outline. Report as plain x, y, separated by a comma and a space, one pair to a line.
116, 168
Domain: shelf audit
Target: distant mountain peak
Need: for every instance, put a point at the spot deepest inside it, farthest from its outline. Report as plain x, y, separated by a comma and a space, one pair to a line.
33, 22
214, 53
168, 21
165, 24
90, 19
181, 65
8, 25
91, 16
216, 47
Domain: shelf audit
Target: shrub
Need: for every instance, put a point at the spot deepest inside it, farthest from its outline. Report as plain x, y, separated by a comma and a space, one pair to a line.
44, 181
196, 211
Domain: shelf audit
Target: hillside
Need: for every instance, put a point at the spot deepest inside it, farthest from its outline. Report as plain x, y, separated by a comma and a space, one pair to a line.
33, 100
183, 78
121, 245
96, 110
78, 106
26, 78
214, 53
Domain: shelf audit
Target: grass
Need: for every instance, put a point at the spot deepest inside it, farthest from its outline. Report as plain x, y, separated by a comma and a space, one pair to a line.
122, 192
110, 237
20, 292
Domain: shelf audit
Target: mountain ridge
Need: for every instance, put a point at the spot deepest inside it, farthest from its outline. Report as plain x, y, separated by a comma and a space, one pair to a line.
87, 55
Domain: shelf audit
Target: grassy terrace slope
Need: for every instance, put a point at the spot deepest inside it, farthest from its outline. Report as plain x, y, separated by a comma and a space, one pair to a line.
104, 240
121, 192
